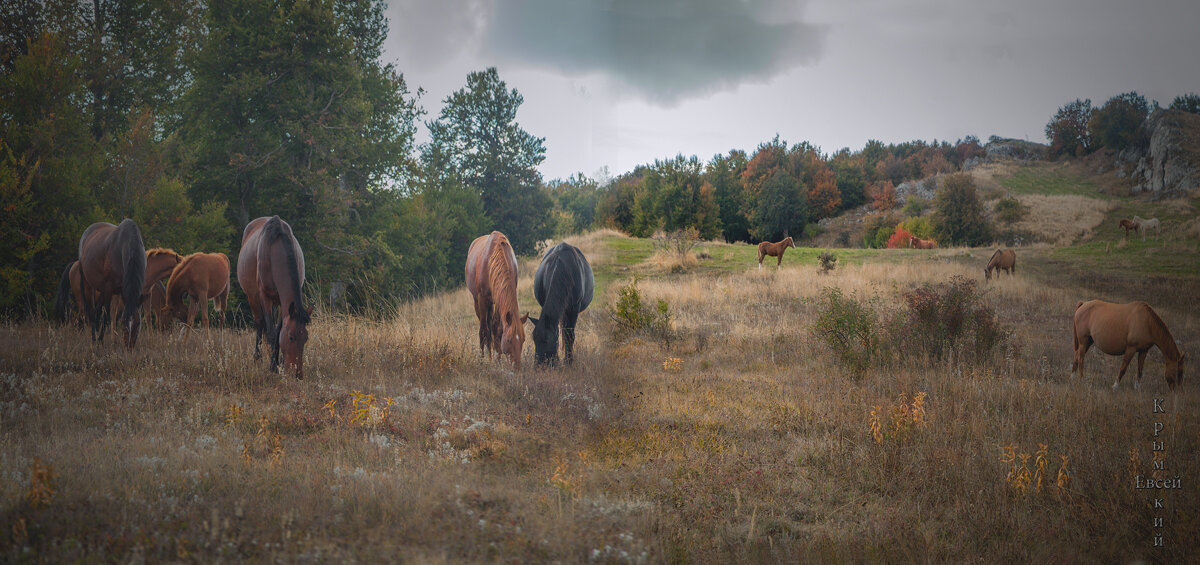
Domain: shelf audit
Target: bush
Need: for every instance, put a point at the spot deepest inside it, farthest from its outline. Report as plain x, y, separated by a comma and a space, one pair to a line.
633, 316
843, 239
1009, 211
879, 229
828, 262
812, 230
921, 227
848, 325
916, 205
900, 239
679, 242
941, 317
959, 217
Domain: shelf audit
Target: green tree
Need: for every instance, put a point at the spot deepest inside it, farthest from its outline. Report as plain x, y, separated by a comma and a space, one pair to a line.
478, 132
1186, 102
959, 218
1115, 125
724, 173
776, 204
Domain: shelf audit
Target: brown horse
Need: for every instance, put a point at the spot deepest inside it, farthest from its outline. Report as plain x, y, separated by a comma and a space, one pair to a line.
68, 286
158, 306
271, 271
1125, 329
774, 250
112, 260
1129, 225
200, 277
918, 243
491, 274
159, 264
1002, 259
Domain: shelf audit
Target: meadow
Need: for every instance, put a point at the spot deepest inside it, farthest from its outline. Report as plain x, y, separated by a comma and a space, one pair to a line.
734, 435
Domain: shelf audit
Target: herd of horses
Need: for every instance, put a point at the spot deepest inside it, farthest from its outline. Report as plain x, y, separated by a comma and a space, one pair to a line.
114, 272
1141, 225
114, 275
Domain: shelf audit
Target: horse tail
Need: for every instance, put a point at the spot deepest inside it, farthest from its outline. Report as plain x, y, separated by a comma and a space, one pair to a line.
63, 298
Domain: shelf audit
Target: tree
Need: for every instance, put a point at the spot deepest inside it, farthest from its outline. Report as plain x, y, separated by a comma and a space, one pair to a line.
478, 132
724, 173
1187, 103
958, 214
1068, 129
825, 198
1115, 125
775, 198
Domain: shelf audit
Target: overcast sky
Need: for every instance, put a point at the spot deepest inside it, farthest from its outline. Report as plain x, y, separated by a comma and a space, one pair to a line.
616, 83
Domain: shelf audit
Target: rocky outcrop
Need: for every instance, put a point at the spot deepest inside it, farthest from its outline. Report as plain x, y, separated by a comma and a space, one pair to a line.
999, 149
1167, 161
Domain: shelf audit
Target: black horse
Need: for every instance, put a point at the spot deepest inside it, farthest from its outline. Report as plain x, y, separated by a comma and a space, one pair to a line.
563, 285
112, 260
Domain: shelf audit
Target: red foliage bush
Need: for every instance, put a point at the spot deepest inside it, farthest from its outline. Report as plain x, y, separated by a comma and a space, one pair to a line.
899, 239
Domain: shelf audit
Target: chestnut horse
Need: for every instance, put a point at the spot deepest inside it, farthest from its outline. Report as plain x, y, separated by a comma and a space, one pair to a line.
159, 264
112, 260
68, 286
1125, 329
1002, 259
271, 271
563, 285
1129, 225
774, 250
200, 277
918, 243
491, 274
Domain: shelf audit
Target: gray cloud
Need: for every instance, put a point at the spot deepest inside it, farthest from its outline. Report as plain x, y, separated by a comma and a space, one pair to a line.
662, 50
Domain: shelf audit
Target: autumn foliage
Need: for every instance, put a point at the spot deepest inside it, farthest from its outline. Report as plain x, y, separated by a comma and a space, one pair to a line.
899, 239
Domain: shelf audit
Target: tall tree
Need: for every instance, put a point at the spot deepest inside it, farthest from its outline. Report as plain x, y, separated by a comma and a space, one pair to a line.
1068, 129
958, 213
1186, 102
478, 132
1115, 125
724, 173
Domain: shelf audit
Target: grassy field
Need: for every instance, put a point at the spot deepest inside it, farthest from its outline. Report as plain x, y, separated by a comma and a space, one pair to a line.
741, 438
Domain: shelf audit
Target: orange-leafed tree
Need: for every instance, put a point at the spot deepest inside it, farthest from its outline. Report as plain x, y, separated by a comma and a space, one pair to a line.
825, 198
882, 195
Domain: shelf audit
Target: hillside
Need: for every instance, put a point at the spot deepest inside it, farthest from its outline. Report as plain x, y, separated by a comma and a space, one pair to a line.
735, 435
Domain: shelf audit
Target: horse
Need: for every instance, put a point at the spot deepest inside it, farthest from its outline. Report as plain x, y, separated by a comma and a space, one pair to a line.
1145, 225
68, 285
491, 275
918, 243
1125, 329
112, 260
159, 264
774, 250
271, 271
158, 306
563, 285
200, 277
1129, 225
1002, 259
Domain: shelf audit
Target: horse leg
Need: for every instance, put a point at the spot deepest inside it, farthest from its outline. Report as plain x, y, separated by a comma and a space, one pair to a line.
221, 302
1081, 349
1141, 363
1124, 365
191, 316
568, 328
779, 261
273, 335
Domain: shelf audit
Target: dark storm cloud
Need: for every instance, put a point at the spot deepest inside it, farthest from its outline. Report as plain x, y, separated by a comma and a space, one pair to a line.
663, 50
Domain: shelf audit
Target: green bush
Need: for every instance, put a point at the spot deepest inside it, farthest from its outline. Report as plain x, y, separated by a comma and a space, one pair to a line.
828, 262
1009, 211
959, 218
915, 206
849, 326
633, 316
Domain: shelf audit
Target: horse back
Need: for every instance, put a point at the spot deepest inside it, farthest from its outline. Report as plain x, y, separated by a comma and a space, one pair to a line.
565, 266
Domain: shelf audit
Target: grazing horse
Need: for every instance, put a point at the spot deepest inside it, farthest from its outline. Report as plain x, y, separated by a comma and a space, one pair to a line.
68, 285
271, 271
918, 243
491, 274
200, 277
1129, 225
1144, 225
1002, 259
112, 260
158, 306
1125, 329
159, 264
774, 250
563, 286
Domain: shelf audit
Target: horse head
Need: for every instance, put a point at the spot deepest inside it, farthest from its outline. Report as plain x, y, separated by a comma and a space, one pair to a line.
292, 337
789, 243
545, 341
987, 273
512, 340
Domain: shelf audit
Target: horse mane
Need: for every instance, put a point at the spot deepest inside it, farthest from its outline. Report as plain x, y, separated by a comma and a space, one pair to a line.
992, 261
63, 297
501, 277
161, 251
1162, 336
275, 229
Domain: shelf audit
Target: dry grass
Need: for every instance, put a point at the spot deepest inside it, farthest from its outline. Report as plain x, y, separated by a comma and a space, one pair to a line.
1061, 219
743, 441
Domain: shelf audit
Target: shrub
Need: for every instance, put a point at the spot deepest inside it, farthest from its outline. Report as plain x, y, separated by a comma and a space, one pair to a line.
828, 262
916, 205
921, 227
959, 217
941, 317
899, 239
633, 316
679, 242
848, 325
843, 239
879, 229
812, 230
1009, 210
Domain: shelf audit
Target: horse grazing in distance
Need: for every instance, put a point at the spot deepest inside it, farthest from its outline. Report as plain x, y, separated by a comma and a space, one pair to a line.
1129, 225
271, 271
774, 250
918, 243
1125, 329
491, 274
1002, 259
1144, 225
200, 277
563, 285
112, 260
